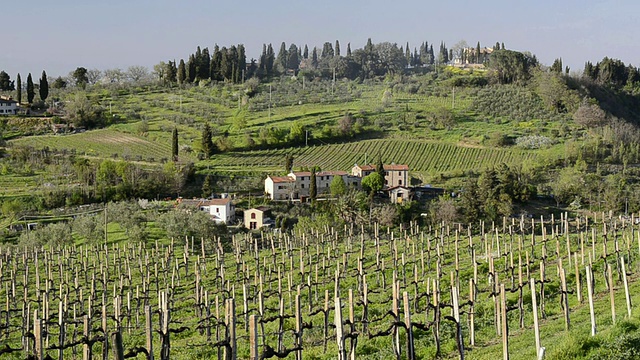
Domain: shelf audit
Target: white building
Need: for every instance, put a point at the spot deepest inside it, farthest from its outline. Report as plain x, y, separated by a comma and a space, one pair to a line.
8, 106
222, 211
279, 187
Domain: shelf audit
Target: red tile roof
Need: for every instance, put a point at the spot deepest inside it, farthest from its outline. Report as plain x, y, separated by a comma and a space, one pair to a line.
281, 179
215, 202
386, 167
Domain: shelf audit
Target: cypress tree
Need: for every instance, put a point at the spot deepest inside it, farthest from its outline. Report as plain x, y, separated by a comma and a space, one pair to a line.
314, 58
305, 54
337, 49
313, 190
207, 188
380, 167
208, 148
348, 49
174, 144
191, 69
44, 87
19, 88
242, 63
281, 60
172, 72
182, 72
30, 90
478, 53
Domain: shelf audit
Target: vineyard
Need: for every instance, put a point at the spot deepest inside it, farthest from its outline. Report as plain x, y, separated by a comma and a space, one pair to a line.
421, 156
104, 143
478, 292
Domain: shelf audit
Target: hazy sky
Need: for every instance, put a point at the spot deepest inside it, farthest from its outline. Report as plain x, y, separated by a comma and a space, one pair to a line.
59, 36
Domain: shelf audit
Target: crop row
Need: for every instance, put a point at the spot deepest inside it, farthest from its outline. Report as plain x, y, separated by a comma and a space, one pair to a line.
419, 156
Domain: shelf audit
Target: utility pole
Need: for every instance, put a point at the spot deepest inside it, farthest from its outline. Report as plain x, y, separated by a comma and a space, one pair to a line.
333, 84
306, 138
454, 98
269, 102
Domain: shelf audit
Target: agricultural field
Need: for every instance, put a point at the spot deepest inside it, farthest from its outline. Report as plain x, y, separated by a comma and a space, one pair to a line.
421, 156
104, 143
371, 292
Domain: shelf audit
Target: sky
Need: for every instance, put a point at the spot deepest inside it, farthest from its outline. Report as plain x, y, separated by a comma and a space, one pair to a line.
59, 36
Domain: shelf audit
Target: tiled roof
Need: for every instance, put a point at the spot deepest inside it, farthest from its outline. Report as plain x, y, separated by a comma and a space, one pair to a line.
281, 179
386, 167
215, 202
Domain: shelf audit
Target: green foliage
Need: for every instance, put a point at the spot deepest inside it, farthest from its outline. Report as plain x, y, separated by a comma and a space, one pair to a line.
508, 66
89, 227
174, 144
44, 86
5, 82
372, 182
80, 77
337, 186
52, 234
206, 143
30, 89
184, 223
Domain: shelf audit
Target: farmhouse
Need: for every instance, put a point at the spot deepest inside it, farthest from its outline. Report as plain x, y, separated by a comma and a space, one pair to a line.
279, 187
8, 106
297, 185
394, 175
398, 194
257, 218
222, 211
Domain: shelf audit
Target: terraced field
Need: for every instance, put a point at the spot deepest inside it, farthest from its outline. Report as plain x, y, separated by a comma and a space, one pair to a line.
105, 143
419, 155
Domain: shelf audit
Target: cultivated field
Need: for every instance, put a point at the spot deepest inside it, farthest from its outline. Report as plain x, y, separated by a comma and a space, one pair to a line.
377, 294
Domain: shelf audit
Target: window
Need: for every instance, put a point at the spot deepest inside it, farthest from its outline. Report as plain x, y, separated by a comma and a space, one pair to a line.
399, 173
217, 209
386, 182
253, 215
253, 225
400, 195
326, 185
302, 186
279, 187
386, 173
399, 182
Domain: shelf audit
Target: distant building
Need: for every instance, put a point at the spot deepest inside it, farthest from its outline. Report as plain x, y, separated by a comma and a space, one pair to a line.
399, 194
222, 211
394, 175
8, 106
279, 187
257, 218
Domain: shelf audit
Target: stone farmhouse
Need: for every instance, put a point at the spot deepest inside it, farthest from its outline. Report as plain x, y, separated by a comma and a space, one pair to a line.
257, 218
296, 185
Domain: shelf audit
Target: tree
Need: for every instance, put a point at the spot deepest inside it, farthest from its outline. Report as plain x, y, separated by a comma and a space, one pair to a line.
313, 190
288, 163
137, 73
373, 182
337, 48
182, 72
345, 125
80, 77
30, 89
44, 86
507, 66
557, 66
207, 187
59, 83
174, 144
380, 167
590, 115
208, 148
5, 82
19, 89
337, 186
